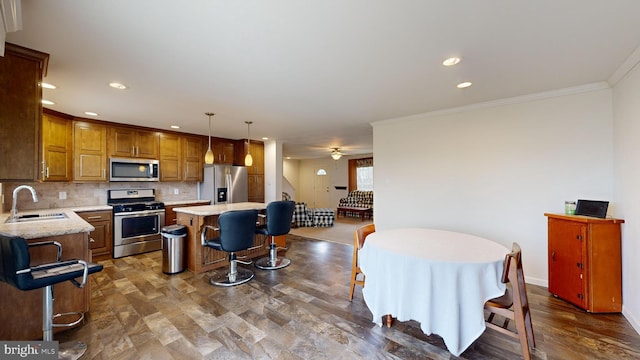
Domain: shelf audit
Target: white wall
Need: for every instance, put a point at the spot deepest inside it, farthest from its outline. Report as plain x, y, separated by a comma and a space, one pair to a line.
291, 170
626, 129
494, 170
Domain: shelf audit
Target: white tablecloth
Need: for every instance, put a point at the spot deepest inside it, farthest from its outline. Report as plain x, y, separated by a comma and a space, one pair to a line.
440, 278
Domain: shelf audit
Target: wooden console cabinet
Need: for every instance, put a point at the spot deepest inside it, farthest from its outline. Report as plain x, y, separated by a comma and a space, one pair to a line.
585, 261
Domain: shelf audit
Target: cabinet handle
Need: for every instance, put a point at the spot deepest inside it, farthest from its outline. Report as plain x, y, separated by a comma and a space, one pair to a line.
91, 240
553, 256
94, 217
47, 172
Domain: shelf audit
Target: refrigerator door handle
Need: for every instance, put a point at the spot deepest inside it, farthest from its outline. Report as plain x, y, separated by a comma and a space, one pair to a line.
229, 184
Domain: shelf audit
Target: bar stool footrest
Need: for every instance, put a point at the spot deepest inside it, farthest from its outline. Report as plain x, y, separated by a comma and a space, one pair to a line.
73, 323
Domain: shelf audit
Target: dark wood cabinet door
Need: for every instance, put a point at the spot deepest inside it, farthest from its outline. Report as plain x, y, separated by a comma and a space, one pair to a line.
21, 71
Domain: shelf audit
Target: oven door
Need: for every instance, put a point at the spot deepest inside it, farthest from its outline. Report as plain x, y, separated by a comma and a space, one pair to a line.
137, 226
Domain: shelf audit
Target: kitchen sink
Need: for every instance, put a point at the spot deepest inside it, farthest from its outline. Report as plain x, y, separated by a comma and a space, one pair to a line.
37, 217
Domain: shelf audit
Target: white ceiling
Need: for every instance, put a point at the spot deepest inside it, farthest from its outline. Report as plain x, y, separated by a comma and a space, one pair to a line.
314, 74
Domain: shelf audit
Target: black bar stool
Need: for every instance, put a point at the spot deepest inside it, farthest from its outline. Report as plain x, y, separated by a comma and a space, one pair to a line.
279, 217
16, 271
237, 232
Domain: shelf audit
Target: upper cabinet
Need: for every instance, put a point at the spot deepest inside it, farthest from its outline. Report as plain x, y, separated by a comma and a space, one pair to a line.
89, 151
181, 158
126, 142
57, 141
257, 154
170, 157
21, 72
193, 161
223, 151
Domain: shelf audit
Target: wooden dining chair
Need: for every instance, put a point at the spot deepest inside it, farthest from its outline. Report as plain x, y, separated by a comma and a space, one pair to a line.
359, 236
513, 305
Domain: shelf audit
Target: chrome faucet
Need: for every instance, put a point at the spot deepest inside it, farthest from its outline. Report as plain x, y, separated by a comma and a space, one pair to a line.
14, 208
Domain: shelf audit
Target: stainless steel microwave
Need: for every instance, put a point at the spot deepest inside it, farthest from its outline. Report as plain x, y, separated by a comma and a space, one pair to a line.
124, 169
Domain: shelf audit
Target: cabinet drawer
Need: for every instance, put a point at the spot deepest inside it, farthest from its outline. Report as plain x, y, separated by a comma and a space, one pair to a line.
90, 216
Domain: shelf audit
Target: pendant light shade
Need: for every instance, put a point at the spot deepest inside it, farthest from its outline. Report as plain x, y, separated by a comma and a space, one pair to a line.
208, 156
248, 160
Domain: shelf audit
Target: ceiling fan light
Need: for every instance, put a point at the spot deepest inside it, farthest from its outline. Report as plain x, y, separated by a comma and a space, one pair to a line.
336, 154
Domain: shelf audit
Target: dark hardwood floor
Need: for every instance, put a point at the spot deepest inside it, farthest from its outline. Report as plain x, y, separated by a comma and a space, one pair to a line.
302, 312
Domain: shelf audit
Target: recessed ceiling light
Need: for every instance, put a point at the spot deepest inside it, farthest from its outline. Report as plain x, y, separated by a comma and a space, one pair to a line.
47, 85
265, 138
451, 61
118, 86
463, 85
47, 102
91, 113
175, 127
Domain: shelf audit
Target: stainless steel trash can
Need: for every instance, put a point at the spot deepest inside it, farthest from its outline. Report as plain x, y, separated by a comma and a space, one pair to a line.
173, 248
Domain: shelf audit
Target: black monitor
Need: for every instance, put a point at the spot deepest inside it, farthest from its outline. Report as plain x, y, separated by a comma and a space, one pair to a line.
592, 208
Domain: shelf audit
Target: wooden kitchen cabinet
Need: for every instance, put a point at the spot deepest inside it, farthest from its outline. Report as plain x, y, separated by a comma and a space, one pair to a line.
57, 147
256, 188
100, 239
21, 72
128, 143
89, 151
193, 160
256, 172
223, 151
170, 157
181, 158
21, 311
585, 261
257, 153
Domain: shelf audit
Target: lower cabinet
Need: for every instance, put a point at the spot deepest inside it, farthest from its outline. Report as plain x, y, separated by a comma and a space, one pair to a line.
585, 261
100, 239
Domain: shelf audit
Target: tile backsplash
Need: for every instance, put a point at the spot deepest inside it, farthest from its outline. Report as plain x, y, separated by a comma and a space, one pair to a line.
87, 194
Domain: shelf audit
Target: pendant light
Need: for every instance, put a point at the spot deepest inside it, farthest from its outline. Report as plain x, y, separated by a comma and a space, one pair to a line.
248, 160
208, 157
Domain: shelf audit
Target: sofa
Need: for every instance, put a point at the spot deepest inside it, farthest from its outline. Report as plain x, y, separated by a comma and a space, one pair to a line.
304, 216
357, 198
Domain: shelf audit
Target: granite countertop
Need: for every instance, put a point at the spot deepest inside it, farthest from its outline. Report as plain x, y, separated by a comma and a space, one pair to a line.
185, 202
72, 224
207, 210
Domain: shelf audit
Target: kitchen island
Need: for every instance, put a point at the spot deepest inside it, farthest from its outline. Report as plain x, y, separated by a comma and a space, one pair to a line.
21, 311
201, 259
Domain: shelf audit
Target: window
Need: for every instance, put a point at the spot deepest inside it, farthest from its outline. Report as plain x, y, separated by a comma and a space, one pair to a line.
361, 174
365, 178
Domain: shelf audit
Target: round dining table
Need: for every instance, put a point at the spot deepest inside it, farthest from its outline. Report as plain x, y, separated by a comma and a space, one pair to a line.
439, 278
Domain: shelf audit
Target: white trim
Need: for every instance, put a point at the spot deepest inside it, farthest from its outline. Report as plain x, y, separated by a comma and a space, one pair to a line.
625, 68
501, 102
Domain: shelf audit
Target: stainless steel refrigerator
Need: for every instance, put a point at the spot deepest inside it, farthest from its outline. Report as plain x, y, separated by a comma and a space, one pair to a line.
225, 184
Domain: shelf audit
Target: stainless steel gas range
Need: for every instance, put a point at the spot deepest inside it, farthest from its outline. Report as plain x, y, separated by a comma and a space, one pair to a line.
137, 221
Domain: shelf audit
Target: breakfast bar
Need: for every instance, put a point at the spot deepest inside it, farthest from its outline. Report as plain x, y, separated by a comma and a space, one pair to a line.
201, 259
